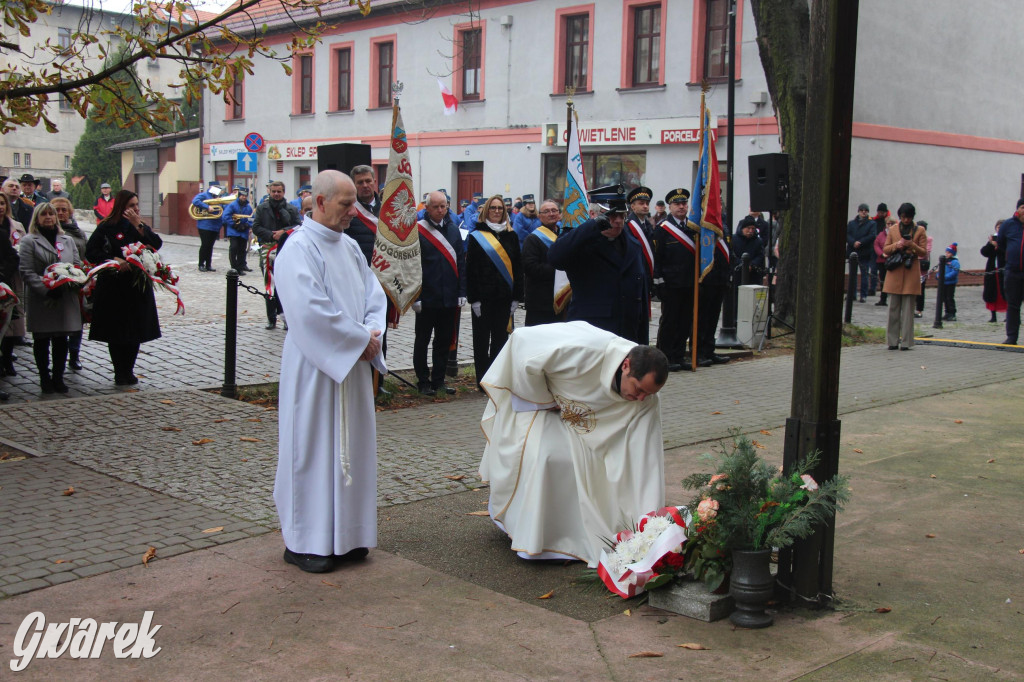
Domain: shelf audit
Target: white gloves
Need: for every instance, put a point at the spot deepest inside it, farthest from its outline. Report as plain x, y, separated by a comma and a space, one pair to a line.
476, 308
515, 304
417, 307
461, 301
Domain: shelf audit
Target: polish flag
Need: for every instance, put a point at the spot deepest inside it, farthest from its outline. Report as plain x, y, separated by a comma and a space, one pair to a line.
451, 105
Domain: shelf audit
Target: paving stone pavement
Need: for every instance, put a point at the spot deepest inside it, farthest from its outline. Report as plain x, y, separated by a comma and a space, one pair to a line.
144, 476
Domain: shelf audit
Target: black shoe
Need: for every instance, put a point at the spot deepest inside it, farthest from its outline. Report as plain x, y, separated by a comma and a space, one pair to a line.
202, 268
74, 363
131, 379
687, 365
210, 268
426, 389
704, 362
893, 347
905, 348
46, 385
1010, 342
863, 299
7, 368
59, 385
443, 388
357, 554
949, 318
310, 563
674, 366
882, 302
271, 325
719, 359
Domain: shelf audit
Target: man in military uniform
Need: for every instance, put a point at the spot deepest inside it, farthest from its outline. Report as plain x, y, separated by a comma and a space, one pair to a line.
641, 228
605, 268
237, 219
674, 260
713, 290
526, 220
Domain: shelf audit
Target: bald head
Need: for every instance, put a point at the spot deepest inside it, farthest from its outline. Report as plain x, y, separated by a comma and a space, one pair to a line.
334, 198
437, 206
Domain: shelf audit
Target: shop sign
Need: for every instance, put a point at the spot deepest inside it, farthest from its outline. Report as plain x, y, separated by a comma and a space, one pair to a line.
650, 132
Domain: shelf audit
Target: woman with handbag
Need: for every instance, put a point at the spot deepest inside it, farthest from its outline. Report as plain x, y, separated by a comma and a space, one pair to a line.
905, 245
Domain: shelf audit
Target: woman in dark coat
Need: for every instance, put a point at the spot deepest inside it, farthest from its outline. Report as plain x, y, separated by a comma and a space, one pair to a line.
491, 296
992, 293
124, 309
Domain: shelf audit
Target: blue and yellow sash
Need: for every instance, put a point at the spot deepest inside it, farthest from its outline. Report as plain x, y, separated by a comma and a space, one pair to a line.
546, 235
496, 252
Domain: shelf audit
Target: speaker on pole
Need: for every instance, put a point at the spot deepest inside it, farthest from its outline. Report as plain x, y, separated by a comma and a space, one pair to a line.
342, 157
769, 182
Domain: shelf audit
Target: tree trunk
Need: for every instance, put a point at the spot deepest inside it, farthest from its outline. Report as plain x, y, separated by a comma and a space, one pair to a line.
783, 37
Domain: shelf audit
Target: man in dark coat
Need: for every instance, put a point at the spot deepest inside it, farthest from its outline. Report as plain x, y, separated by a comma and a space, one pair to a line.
540, 275
443, 259
674, 248
605, 269
640, 228
1010, 241
747, 240
363, 227
270, 223
860, 239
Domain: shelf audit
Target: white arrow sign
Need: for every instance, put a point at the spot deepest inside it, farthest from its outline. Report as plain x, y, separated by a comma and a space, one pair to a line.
246, 162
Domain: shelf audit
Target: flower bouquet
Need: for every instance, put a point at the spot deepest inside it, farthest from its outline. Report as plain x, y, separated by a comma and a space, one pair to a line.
647, 556
64, 274
146, 261
8, 299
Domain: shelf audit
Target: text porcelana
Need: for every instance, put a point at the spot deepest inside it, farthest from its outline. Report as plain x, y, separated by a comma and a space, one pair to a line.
82, 638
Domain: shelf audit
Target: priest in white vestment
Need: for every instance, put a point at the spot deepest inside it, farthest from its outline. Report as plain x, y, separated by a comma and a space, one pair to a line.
326, 486
574, 448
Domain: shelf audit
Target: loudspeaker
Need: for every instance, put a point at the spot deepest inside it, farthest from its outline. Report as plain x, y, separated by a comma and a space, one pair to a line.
769, 182
342, 157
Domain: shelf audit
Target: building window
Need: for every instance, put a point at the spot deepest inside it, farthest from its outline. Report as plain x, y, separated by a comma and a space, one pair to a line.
63, 102
601, 169
716, 40
306, 84
64, 39
236, 101
646, 45
17, 159
385, 73
470, 76
577, 44
67, 162
574, 60
28, 160
343, 79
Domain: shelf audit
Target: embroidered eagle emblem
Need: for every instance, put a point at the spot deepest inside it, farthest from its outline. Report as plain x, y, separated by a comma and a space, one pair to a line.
579, 416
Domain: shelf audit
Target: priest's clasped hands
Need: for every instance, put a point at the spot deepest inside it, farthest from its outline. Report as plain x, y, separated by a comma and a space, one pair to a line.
372, 346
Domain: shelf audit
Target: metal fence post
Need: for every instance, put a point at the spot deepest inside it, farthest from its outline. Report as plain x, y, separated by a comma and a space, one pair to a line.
851, 288
230, 390
939, 291
745, 270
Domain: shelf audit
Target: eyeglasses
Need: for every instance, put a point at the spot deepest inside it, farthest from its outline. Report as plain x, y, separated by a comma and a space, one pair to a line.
495, 208
550, 210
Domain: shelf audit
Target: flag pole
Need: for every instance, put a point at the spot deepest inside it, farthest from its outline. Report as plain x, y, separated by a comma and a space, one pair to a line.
696, 252
570, 90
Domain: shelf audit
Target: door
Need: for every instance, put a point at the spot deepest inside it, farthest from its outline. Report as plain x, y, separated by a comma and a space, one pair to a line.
149, 202
470, 182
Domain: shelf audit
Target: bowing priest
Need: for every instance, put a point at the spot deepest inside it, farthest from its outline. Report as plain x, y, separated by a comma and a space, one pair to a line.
326, 486
574, 447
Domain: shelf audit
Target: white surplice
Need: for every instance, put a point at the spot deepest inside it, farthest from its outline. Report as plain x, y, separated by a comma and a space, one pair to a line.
565, 481
327, 425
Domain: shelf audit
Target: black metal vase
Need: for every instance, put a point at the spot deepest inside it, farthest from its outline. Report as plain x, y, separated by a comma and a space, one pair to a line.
751, 586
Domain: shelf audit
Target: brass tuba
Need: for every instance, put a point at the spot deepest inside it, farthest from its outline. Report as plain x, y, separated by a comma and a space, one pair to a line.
216, 208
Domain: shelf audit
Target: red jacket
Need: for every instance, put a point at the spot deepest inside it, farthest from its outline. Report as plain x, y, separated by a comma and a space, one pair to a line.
103, 207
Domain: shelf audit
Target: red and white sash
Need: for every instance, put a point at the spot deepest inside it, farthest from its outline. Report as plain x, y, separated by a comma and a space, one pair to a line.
432, 235
678, 235
366, 217
638, 232
724, 249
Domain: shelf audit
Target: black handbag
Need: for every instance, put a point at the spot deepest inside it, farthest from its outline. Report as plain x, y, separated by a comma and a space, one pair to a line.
894, 261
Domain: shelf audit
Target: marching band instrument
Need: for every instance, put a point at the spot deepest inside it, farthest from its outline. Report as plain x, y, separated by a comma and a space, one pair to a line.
216, 208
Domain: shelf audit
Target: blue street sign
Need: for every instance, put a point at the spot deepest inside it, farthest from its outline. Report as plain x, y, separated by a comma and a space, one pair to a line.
253, 142
246, 162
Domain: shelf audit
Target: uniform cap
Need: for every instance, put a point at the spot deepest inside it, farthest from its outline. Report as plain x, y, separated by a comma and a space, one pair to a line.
642, 193
678, 194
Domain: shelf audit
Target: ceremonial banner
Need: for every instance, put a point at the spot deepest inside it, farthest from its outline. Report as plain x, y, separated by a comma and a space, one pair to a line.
575, 208
706, 201
396, 251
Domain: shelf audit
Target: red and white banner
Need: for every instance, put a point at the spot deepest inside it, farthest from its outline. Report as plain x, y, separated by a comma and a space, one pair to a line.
396, 251
451, 104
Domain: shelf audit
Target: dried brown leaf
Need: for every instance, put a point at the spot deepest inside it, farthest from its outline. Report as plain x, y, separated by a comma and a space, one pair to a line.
547, 595
932, 476
735, 402
216, 529
220, 421
150, 554
692, 646
456, 478
764, 432
883, 609
756, 444
61, 561
254, 419
716, 412
69, 491
167, 402
479, 513
958, 421
628, 612
169, 428
991, 461
202, 441
930, 535
858, 451
646, 654
4, 456
247, 439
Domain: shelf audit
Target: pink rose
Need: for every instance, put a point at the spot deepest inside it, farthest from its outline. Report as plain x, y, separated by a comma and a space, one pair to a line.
707, 509
809, 483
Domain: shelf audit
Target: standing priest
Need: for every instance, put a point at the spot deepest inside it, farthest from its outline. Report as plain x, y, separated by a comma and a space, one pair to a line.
574, 448
326, 487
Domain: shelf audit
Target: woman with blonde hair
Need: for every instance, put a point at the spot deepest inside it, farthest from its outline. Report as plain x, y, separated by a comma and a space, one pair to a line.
52, 314
494, 282
66, 218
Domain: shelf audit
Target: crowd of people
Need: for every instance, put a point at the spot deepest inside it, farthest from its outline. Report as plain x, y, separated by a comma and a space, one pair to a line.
38, 231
